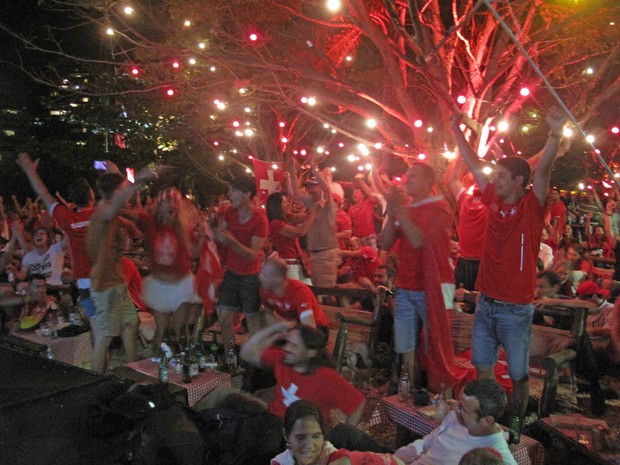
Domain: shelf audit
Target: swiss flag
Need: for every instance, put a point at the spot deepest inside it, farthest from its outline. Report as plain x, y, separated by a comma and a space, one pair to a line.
268, 177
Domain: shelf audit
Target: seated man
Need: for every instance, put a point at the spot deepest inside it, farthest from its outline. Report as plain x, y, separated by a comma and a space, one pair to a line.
471, 425
302, 369
46, 258
289, 298
35, 303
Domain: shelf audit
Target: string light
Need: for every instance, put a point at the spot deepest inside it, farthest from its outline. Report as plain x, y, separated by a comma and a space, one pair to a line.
333, 5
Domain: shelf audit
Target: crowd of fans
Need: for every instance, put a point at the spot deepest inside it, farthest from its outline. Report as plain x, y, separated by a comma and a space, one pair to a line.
252, 264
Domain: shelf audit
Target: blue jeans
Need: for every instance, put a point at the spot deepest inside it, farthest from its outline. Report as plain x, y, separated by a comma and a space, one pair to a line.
504, 323
410, 313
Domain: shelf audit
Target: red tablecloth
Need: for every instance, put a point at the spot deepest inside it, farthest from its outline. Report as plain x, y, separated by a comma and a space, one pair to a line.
200, 386
75, 350
527, 452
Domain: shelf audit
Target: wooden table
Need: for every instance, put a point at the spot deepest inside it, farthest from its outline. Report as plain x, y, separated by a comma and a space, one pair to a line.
200, 386
527, 452
571, 437
76, 350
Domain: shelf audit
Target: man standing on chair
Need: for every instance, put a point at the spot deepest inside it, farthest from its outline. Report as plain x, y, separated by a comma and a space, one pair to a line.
507, 275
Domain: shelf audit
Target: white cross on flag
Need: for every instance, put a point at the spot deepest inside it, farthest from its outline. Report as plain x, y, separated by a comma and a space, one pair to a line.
268, 178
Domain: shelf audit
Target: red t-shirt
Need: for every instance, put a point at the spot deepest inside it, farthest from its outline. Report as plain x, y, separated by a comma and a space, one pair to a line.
508, 266
325, 387
168, 252
133, 279
432, 216
343, 223
558, 210
75, 225
256, 226
362, 218
297, 300
473, 220
287, 248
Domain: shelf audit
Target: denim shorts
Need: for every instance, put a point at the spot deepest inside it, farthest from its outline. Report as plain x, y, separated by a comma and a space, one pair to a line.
239, 293
507, 324
409, 318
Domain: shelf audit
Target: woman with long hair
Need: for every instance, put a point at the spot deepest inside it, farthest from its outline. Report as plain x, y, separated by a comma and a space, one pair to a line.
304, 434
169, 289
284, 235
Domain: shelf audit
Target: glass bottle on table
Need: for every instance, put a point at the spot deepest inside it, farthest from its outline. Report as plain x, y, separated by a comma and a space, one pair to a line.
441, 407
213, 349
231, 357
187, 378
164, 374
404, 384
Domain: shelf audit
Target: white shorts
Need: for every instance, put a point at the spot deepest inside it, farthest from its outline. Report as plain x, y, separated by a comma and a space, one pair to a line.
167, 297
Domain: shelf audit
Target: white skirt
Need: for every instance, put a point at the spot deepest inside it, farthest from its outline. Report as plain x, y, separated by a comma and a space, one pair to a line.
167, 297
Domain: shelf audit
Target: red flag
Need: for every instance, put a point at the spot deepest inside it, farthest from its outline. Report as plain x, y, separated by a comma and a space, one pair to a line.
268, 177
209, 274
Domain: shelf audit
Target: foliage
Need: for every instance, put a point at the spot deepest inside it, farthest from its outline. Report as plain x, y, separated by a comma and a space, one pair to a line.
393, 61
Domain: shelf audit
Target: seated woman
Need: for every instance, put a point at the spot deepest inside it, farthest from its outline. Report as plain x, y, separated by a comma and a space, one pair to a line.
306, 444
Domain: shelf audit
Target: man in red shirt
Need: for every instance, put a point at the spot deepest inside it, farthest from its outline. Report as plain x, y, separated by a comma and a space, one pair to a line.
361, 212
302, 369
557, 212
472, 225
424, 280
74, 224
289, 298
241, 234
507, 275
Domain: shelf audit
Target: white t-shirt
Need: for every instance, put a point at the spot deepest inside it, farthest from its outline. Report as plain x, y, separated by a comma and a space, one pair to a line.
50, 264
447, 443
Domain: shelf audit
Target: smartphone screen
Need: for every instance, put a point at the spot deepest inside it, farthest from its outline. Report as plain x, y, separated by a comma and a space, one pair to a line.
100, 165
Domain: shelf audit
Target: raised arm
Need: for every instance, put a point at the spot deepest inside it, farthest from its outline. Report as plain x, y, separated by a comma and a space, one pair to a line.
254, 347
555, 120
609, 211
127, 190
29, 167
455, 180
468, 154
409, 229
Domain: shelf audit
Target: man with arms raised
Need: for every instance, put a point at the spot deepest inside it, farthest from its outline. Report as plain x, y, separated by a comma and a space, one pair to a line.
507, 274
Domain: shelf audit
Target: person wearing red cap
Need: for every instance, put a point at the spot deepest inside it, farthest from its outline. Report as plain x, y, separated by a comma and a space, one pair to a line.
599, 321
360, 267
